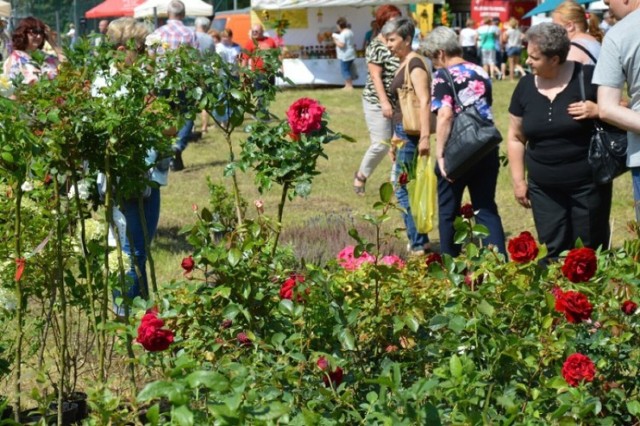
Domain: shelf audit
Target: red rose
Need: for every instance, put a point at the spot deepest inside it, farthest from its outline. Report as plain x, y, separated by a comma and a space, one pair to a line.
188, 264
580, 265
574, 305
305, 116
578, 368
629, 307
286, 290
403, 179
243, 339
523, 248
334, 377
434, 258
151, 335
226, 324
466, 211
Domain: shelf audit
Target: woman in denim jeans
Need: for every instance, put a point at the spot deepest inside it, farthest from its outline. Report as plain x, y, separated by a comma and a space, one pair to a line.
473, 86
138, 216
399, 35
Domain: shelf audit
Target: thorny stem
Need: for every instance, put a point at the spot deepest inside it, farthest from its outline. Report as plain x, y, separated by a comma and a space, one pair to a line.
123, 293
147, 249
59, 280
87, 262
21, 304
283, 199
236, 187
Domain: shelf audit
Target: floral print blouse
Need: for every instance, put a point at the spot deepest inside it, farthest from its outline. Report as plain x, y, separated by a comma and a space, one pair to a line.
21, 63
472, 85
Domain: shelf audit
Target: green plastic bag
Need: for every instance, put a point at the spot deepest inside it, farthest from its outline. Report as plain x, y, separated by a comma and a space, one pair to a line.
422, 194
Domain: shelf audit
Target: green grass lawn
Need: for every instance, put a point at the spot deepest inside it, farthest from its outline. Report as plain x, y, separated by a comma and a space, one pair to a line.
332, 207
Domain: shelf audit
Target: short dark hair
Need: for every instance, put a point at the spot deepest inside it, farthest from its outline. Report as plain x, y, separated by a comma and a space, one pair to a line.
20, 38
342, 23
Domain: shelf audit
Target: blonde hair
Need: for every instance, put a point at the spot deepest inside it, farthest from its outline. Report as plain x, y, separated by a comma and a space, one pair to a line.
570, 11
122, 30
513, 23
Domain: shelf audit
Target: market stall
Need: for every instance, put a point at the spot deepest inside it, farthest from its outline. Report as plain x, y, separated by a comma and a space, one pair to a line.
5, 8
113, 9
310, 57
192, 8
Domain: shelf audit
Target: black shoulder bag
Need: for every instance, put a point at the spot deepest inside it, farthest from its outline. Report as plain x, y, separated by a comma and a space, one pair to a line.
607, 148
472, 137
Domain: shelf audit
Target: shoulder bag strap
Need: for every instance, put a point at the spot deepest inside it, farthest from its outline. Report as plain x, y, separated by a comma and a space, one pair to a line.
453, 87
583, 96
407, 73
581, 81
584, 49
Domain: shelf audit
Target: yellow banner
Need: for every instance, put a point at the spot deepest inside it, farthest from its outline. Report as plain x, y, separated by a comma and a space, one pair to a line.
290, 18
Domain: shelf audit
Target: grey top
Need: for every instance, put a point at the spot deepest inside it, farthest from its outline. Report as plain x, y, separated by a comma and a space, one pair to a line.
205, 43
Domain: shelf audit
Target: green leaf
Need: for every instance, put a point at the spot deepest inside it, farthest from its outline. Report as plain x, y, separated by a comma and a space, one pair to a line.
209, 379
7, 157
206, 215
182, 416
347, 340
286, 307
633, 407
480, 231
560, 411
386, 192
457, 324
234, 256
455, 366
411, 322
438, 322
485, 308
153, 414
161, 389
432, 417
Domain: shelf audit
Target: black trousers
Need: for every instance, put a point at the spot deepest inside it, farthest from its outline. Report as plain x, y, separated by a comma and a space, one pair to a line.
563, 214
470, 54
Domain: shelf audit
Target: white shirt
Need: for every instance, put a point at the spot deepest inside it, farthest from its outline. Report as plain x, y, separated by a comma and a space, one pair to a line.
468, 37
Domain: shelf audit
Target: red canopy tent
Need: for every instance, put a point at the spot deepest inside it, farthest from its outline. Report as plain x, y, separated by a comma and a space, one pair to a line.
113, 8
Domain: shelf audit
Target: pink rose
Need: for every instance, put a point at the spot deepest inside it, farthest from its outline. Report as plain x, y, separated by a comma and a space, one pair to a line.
349, 262
305, 116
393, 260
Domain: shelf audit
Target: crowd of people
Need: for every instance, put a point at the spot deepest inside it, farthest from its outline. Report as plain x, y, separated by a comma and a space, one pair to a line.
551, 111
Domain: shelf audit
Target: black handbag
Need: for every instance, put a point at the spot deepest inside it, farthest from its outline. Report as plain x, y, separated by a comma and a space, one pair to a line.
607, 148
472, 137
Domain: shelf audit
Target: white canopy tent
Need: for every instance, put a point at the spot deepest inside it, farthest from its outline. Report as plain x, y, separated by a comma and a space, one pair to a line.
193, 8
5, 8
302, 4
